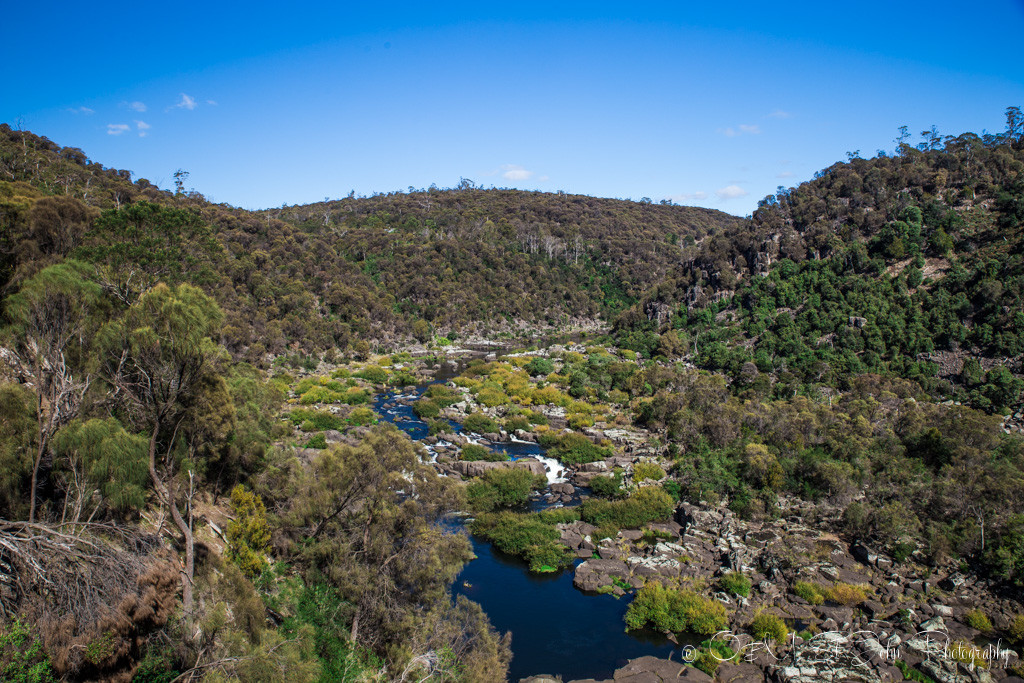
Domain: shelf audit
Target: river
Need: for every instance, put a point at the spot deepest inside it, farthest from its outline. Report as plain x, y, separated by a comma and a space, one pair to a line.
556, 629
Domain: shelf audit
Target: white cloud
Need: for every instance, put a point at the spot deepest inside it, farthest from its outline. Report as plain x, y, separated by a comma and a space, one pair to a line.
743, 128
136, 106
186, 102
688, 197
117, 128
779, 114
143, 128
544, 179
515, 172
212, 103
785, 174
81, 110
731, 192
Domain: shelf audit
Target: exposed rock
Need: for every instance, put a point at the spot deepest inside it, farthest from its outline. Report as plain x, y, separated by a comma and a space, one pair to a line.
477, 468
593, 574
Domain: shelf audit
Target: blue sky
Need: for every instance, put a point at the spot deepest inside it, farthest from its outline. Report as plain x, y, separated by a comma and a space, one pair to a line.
708, 106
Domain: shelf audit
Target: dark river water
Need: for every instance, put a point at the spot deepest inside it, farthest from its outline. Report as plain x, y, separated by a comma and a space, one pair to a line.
556, 629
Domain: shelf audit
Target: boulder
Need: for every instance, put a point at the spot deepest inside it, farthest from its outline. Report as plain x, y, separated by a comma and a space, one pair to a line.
477, 468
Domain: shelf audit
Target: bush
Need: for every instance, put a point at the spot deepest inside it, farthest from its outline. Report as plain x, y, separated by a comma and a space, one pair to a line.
766, 627
248, 534
474, 452
811, 592
374, 374
1016, 629
540, 366
646, 505
979, 620
525, 535
443, 395
502, 488
668, 609
478, 423
736, 583
607, 486
845, 594
318, 441
314, 420
576, 449
647, 470
426, 408
22, 659
362, 416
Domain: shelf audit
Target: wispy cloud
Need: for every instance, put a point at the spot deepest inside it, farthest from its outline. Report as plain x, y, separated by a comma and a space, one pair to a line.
117, 128
785, 174
82, 110
143, 128
730, 192
135, 106
741, 129
698, 196
515, 172
212, 103
186, 102
779, 114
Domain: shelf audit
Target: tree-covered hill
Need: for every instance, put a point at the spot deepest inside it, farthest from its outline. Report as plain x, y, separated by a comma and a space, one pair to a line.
909, 264
330, 274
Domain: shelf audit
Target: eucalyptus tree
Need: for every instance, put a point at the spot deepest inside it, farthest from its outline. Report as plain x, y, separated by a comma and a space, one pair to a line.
51, 316
159, 359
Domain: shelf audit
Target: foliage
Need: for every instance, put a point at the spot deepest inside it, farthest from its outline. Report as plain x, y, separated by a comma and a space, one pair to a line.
478, 423
524, 535
1016, 629
678, 611
472, 451
502, 488
22, 659
576, 449
647, 470
607, 486
975, 618
811, 592
766, 626
644, 505
248, 534
735, 583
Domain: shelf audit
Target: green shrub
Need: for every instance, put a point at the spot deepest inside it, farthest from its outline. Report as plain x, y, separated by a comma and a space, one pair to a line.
314, 420
811, 592
374, 374
540, 366
524, 535
362, 416
478, 423
668, 609
22, 659
517, 422
473, 452
845, 594
576, 449
735, 583
317, 441
912, 674
443, 395
646, 505
607, 486
426, 408
647, 470
979, 620
502, 488
767, 626
1016, 629
248, 534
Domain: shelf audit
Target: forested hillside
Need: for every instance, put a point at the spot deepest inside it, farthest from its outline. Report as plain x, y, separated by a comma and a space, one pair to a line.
334, 274
909, 264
